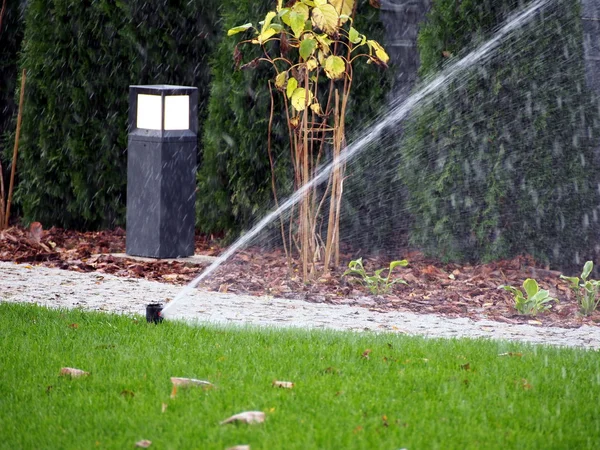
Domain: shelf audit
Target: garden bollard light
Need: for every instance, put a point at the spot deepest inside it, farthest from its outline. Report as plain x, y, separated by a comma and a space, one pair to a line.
161, 171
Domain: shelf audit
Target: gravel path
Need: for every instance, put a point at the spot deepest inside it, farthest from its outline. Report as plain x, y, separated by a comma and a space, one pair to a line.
102, 292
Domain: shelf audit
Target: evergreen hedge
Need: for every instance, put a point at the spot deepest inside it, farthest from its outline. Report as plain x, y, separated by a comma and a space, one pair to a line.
502, 162
235, 178
81, 56
11, 35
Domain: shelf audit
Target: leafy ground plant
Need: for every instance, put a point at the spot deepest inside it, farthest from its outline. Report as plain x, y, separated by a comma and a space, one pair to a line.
375, 283
350, 390
585, 290
534, 301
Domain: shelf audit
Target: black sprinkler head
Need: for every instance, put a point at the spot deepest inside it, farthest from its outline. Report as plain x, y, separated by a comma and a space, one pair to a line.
153, 313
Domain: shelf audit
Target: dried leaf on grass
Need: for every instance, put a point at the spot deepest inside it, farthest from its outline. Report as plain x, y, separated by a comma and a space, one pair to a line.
246, 417
184, 382
283, 384
239, 447
144, 443
164, 407
187, 382
511, 354
72, 372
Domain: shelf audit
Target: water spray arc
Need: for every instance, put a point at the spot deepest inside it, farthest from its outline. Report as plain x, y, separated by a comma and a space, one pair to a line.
396, 114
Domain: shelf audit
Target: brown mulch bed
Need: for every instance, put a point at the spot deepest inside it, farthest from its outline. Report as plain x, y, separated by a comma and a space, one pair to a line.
433, 287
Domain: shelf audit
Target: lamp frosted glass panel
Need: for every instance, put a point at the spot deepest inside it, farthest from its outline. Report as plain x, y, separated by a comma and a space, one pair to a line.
177, 112
149, 112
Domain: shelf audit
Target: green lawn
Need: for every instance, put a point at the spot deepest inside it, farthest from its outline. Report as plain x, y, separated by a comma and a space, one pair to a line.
409, 393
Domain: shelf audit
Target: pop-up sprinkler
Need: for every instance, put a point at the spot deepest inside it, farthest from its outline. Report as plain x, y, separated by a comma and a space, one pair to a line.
153, 313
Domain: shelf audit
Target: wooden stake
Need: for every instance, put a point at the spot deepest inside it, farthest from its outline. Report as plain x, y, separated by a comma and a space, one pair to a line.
15, 150
2, 11
1, 197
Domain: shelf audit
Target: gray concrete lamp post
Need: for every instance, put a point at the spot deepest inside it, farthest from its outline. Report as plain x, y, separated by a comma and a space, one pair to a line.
161, 171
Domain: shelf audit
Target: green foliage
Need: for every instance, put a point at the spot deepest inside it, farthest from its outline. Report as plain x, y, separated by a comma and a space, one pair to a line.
376, 283
502, 162
11, 36
586, 291
534, 301
235, 178
81, 57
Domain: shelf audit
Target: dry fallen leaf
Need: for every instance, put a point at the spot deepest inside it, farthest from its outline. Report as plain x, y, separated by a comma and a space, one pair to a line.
246, 417
239, 447
185, 382
35, 231
524, 384
164, 407
145, 443
283, 384
70, 371
511, 354
466, 366
366, 353
534, 322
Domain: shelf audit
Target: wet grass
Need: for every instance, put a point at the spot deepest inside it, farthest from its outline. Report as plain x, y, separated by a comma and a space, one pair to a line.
351, 390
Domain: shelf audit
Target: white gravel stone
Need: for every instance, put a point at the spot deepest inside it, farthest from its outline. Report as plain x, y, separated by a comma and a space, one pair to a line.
103, 292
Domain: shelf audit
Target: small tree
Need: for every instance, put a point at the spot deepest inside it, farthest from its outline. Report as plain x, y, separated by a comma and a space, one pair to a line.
311, 45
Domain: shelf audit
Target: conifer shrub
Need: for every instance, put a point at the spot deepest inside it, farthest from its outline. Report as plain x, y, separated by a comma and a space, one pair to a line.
502, 162
81, 57
11, 36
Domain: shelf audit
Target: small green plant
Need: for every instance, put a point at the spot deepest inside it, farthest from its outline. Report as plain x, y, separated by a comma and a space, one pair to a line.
535, 301
376, 283
585, 290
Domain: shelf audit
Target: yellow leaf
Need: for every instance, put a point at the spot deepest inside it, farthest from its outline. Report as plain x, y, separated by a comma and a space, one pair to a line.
343, 7
236, 30
281, 79
300, 100
380, 53
296, 23
316, 108
268, 18
334, 67
324, 43
292, 84
321, 57
266, 34
279, 5
302, 9
311, 64
325, 17
354, 35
